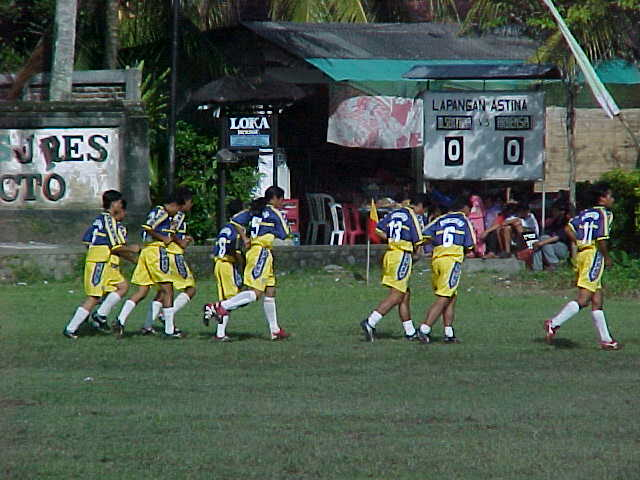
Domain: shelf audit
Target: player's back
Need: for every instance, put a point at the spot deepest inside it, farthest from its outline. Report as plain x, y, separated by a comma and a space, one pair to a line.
263, 226
226, 243
402, 228
591, 225
159, 221
450, 234
101, 237
179, 226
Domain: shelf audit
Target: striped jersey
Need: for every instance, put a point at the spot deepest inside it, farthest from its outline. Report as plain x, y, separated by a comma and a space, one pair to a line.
591, 225
226, 245
450, 234
402, 229
158, 220
101, 237
262, 228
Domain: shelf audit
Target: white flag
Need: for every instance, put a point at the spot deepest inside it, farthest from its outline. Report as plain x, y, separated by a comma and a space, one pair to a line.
601, 93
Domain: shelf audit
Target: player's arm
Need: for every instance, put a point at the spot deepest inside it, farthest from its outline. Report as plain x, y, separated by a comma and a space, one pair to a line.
166, 239
541, 243
182, 242
603, 248
128, 253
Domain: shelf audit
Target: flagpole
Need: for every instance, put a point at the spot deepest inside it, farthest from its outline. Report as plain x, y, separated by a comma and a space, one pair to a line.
368, 257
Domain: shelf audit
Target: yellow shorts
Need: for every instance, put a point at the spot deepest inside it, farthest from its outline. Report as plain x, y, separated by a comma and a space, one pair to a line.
445, 275
258, 272
228, 279
95, 278
153, 267
180, 272
396, 269
114, 277
589, 266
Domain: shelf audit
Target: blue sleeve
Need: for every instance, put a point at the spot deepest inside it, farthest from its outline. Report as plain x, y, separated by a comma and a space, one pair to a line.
280, 225
87, 236
242, 218
469, 236
382, 224
430, 230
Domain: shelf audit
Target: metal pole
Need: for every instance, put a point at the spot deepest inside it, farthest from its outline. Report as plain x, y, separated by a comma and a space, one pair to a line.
274, 155
171, 157
222, 214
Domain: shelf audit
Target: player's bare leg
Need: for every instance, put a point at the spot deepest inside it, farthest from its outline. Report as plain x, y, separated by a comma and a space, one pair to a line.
368, 325
448, 317
435, 310
404, 310
80, 315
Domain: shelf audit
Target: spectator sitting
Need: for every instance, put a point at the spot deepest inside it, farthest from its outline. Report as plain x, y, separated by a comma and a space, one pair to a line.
494, 220
553, 247
524, 231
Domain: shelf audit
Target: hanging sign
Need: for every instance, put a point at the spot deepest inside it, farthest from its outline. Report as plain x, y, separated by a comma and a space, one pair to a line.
484, 135
251, 131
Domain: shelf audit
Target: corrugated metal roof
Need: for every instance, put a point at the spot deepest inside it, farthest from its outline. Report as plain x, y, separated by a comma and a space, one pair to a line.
408, 41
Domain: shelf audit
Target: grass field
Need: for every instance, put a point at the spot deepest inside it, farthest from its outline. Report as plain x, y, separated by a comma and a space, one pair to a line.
323, 404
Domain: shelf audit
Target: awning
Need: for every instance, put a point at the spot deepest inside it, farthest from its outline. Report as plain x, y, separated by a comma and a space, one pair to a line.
392, 70
485, 71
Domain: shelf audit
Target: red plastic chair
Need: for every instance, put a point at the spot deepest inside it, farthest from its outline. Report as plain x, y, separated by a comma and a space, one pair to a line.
353, 228
292, 213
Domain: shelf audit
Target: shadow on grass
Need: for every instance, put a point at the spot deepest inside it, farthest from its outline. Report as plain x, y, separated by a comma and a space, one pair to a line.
235, 337
559, 343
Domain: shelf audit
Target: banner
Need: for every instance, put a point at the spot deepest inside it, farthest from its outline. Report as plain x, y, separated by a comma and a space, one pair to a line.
484, 135
367, 121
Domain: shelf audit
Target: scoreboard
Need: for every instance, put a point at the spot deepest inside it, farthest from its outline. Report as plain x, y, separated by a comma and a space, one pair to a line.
484, 135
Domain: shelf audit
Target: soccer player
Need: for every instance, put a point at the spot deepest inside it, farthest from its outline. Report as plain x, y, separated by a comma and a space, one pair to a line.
104, 240
227, 256
265, 223
180, 272
450, 234
589, 230
402, 229
153, 267
116, 285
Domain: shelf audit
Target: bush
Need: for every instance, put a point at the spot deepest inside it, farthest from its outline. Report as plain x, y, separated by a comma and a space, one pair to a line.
197, 168
625, 233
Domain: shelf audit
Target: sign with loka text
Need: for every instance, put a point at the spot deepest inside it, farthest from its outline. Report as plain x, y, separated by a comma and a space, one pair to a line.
250, 131
484, 135
57, 167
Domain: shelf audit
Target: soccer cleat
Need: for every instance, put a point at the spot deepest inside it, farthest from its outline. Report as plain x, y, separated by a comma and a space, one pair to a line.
549, 331
612, 345
148, 331
453, 339
176, 334
68, 334
369, 331
99, 322
118, 329
412, 338
207, 313
279, 335
424, 337
223, 339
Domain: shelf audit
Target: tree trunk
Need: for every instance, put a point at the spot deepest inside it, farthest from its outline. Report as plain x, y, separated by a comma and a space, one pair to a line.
571, 138
111, 37
63, 50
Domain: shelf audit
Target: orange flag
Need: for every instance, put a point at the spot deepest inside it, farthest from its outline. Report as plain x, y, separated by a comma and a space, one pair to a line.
372, 222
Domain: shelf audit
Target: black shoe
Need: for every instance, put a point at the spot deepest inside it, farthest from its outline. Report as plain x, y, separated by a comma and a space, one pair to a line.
99, 322
369, 331
147, 331
424, 337
413, 338
450, 339
68, 334
118, 329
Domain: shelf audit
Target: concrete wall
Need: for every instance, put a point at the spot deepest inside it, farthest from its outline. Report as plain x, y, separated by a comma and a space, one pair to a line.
602, 144
23, 262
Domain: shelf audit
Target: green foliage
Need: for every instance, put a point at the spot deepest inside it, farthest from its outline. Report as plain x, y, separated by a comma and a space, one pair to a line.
625, 233
197, 168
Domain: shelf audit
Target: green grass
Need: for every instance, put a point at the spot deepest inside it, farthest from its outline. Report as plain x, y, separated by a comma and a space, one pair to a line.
324, 404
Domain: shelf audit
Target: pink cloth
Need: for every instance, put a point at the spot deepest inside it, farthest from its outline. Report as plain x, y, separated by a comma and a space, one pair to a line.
476, 218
